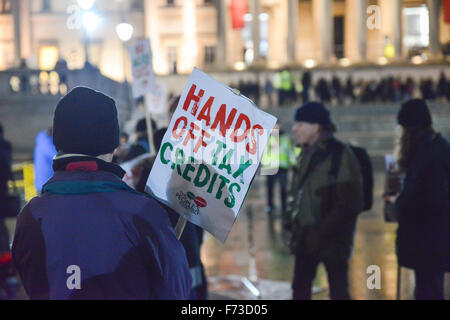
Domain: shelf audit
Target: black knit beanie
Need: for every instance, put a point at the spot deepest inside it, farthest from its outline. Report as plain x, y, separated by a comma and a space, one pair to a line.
313, 112
85, 122
414, 113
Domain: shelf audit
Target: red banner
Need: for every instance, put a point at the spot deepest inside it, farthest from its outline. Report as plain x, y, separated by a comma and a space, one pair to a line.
238, 9
447, 11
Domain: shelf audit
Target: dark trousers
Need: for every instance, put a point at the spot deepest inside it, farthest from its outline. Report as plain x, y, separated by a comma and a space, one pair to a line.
305, 272
281, 177
4, 237
429, 285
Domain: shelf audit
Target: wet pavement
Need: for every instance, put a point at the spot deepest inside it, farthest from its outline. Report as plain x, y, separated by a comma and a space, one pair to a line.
227, 263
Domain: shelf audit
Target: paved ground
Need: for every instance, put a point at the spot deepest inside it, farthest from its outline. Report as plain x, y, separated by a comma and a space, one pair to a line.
374, 245
227, 263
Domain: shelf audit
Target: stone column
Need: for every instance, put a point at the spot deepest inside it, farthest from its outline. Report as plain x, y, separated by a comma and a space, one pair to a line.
361, 27
434, 7
152, 31
397, 31
15, 8
221, 35
292, 26
255, 11
190, 46
355, 39
25, 28
323, 28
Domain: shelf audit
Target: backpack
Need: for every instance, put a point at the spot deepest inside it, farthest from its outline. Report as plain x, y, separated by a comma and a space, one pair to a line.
365, 166
367, 175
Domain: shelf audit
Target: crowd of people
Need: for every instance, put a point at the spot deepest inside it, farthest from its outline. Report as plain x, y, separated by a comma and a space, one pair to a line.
122, 240
284, 89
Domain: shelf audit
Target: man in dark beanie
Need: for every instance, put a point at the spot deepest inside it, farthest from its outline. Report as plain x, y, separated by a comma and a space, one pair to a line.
324, 200
423, 205
90, 236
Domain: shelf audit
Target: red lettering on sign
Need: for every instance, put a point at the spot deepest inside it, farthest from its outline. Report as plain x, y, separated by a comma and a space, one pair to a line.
254, 147
191, 96
175, 127
242, 118
205, 113
220, 119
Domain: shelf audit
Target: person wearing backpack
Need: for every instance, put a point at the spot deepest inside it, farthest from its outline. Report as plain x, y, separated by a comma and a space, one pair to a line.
325, 198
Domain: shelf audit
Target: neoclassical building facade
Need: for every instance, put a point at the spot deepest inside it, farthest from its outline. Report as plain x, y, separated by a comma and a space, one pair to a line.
223, 34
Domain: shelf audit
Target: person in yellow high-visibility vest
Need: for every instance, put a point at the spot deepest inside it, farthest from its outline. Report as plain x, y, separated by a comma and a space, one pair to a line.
277, 159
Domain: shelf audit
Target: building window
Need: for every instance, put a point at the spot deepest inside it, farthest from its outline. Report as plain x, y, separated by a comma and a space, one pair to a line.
48, 56
210, 54
5, 6
417, 27
172, 59
46, 6
137, 5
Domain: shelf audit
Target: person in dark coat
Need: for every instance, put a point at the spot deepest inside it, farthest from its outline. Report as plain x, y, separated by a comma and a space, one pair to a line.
141, 145
5, 175
324, 200
191, 239
306, 83
89, 235
423, 206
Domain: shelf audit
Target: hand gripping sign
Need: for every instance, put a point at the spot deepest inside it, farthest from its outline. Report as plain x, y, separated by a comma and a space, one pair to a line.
209, 154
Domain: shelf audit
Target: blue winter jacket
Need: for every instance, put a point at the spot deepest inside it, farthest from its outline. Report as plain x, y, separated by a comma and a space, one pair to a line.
89, 236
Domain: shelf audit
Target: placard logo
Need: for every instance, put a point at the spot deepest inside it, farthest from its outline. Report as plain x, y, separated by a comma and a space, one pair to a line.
191, 202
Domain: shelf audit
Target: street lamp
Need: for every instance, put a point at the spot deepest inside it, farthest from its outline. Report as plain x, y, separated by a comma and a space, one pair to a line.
124, 32
90, 21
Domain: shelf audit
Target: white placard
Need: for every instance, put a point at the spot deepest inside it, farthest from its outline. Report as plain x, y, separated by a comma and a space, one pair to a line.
210, 154
156, 99
141, 67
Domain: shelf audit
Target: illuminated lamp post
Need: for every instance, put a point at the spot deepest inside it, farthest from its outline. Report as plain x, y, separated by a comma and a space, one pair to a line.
124, 32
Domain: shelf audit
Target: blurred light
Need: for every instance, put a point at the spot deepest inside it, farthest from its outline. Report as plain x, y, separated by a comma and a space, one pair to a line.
417, 60
14, 82
345, 62
85, 4
43, 79
247, 17
124, 31
382, 60
310, 63
48, 56
273, 64
239, 66
63, 88
90, 20
263, 16
43, 76
389, 51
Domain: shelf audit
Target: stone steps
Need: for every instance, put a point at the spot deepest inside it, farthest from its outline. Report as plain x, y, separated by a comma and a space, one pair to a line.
370, 126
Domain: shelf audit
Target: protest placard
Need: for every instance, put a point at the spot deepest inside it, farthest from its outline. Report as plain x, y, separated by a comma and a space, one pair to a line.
210, 154
142, 68
130, 177
156, 98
